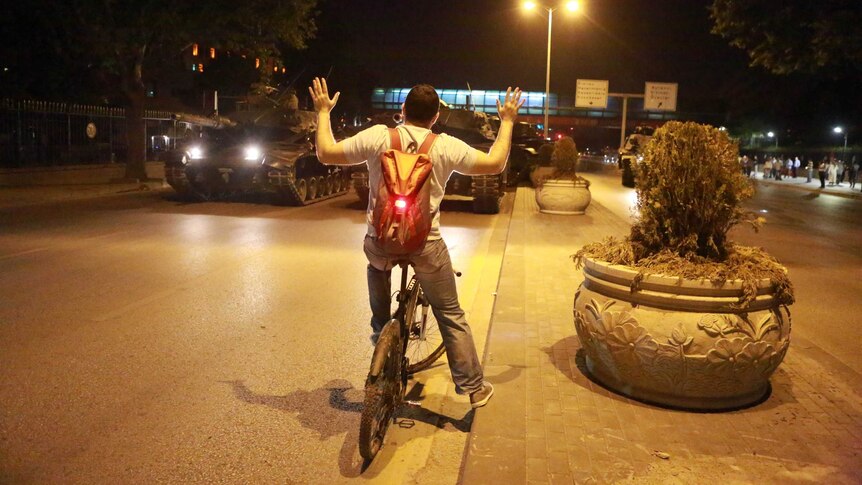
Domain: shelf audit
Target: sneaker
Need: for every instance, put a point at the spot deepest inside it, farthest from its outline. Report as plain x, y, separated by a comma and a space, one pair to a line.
482, 396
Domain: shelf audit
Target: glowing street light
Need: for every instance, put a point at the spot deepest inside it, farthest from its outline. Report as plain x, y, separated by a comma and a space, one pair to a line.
839, 130
773, 135
571, 6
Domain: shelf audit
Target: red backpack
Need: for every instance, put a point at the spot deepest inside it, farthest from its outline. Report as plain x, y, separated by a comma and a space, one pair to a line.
402, 213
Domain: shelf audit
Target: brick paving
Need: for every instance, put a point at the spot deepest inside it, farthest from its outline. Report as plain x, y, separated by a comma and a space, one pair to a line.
549, 423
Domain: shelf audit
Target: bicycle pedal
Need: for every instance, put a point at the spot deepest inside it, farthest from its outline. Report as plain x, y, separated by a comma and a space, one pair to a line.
406, 423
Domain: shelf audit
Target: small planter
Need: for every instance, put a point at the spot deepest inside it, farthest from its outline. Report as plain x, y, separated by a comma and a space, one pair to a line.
566, 197
679, 342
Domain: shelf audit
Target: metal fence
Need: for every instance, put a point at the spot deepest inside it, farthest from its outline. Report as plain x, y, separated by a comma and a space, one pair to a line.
45, 133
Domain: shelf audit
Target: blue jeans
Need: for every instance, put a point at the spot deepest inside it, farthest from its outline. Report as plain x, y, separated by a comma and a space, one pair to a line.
433, 269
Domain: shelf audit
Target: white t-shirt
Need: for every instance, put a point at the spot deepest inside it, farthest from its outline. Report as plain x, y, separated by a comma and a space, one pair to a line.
447, 155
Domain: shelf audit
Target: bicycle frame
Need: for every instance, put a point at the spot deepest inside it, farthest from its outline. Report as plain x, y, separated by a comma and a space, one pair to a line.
400, 315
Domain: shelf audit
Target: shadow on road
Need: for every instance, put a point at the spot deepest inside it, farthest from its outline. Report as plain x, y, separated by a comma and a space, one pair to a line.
335, 408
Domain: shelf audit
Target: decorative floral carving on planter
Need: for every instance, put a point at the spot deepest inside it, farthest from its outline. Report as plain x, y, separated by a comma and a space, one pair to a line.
723, 357
694, 355
632, 342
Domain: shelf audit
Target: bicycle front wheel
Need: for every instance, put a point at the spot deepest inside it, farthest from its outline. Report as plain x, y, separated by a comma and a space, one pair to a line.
382, 391
425, 343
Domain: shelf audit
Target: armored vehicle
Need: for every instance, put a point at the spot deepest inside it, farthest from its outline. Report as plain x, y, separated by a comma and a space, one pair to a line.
255, 150
632, 151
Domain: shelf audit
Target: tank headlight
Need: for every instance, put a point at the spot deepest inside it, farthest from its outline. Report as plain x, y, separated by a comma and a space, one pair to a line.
252, 153
196, 153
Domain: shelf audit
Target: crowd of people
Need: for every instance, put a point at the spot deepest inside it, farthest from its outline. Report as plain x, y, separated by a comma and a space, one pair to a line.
830, 170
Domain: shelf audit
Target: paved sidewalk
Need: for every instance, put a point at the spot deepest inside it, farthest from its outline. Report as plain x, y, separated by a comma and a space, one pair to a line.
800, 183
548, 423
11, 197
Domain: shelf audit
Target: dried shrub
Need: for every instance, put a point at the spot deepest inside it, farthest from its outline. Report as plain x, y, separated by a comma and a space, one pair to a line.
690, 192
565, 159
545, 153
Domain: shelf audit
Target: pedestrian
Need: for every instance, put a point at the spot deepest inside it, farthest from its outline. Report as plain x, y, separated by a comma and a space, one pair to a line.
809, 169
746, 165
854, 171
821, 172
832, 171
767, 168
796, 164
431, 262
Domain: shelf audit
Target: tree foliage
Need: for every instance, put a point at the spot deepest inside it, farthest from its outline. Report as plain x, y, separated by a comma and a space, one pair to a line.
124, 38
787, 36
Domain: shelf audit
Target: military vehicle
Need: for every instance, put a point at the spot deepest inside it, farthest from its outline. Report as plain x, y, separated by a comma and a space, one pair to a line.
257, 149
478, 130
632, 151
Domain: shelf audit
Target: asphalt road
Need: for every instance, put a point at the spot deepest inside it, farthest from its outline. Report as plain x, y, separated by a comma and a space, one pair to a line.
145, 340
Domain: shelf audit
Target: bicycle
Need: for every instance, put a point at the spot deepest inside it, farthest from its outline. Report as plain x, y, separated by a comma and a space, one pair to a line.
409, 342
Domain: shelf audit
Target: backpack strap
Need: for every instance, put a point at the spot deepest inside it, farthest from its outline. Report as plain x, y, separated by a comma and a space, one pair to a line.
427, 144
395, 141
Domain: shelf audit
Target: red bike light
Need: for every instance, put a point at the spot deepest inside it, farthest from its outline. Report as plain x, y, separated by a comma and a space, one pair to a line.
401, 204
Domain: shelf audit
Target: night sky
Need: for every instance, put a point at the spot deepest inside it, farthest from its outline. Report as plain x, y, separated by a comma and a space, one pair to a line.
492, 44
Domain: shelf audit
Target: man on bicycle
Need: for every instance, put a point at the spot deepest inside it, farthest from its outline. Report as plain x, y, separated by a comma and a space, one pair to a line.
431, 264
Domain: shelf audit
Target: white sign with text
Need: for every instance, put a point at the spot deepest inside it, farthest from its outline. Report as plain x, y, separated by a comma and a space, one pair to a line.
660, 97
591, 93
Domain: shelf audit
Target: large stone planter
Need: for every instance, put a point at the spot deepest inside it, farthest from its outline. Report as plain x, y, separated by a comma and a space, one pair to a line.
679, 342
566, 197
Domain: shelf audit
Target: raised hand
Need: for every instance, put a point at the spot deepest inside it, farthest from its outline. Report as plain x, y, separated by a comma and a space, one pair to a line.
509, 109
320, 95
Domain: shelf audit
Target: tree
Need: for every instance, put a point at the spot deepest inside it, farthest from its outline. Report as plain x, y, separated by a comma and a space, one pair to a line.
123, 38
787, 36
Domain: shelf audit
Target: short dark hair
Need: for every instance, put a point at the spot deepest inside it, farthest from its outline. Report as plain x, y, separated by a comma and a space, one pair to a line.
422, 103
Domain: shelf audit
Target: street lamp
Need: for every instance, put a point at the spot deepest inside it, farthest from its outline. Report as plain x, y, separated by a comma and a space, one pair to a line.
840, 130
571, 6
773, 135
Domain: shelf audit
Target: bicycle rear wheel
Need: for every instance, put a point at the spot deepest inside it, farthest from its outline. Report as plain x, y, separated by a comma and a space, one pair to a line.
382, 391
425, 343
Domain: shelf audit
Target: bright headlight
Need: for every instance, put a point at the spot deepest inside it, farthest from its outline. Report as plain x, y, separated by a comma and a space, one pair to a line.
196, 153
252, 152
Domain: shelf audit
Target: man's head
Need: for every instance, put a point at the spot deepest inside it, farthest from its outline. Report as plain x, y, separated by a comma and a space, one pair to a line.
422, 105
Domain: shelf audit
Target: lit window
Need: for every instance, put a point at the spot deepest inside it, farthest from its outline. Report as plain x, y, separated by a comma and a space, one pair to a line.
275, 69
212, 52
194, 49
194, 67
200, 68
257, 63
283, 70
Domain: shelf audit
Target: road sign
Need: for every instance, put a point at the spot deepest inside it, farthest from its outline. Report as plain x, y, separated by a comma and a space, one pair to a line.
660, 97
591, 93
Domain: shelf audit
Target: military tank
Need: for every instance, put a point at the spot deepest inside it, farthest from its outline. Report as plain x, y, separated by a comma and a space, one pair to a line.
631, 153
478, 130
254, 150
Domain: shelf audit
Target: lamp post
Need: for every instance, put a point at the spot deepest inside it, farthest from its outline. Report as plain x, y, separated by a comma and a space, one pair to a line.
773, 135
840, 130
571, 6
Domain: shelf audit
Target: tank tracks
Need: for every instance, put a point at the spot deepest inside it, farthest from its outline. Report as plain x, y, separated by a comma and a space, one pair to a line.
308, 190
